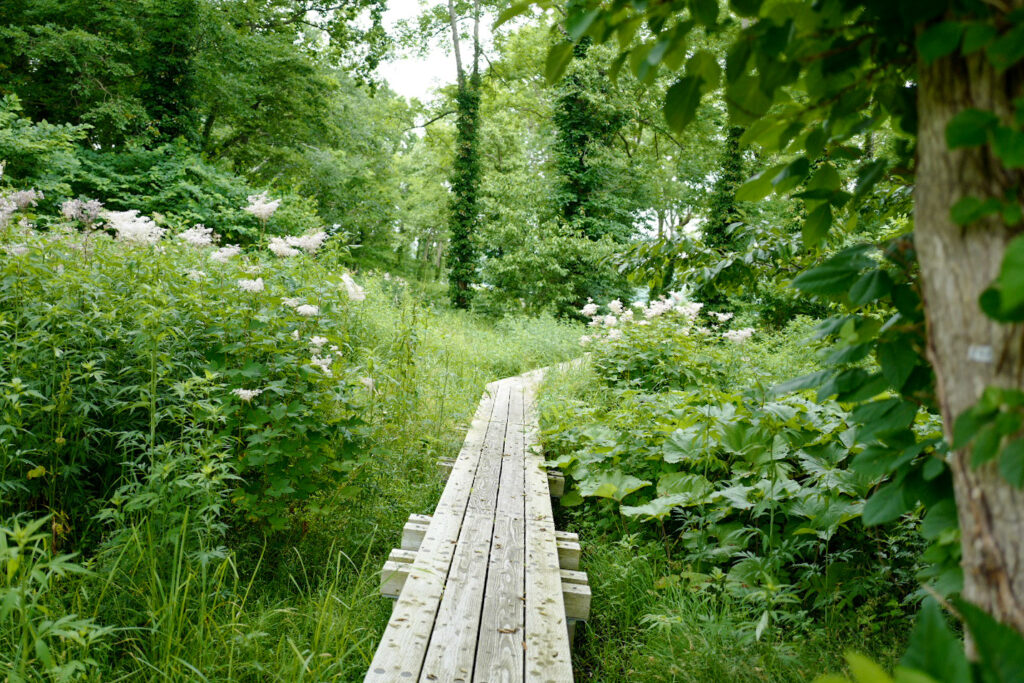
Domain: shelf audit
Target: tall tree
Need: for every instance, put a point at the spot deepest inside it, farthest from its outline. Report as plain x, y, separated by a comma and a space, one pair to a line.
464, 219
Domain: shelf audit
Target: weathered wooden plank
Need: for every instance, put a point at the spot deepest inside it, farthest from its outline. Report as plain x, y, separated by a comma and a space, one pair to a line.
399, 656
547, 635
499, 652
452, 647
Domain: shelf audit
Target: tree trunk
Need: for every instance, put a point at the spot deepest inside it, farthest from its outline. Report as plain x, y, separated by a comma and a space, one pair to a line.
461, 75
967, 349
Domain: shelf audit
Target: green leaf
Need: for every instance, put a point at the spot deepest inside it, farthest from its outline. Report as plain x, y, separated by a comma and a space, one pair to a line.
705, 11
817, 225
970, 128
571, 499
681, 102
613, 484
886, 505
557, 62
1008, 49
871, 286
977, 36
792, 175
512, 11
1011, 463
986, 445
1008, 145
1010, 283
577, 23
866, 671
971, 209
746, 8
940, 518
758, 187
682, 445
934, 649
939, 40
835, 275
704, 65
897, 360
1000, 648
868, 176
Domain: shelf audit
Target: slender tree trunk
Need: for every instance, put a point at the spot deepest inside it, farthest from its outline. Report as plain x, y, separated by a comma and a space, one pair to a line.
460, 74
968, 350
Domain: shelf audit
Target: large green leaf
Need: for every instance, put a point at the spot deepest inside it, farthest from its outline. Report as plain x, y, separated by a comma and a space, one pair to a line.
1000, 648
613, 484
934, 649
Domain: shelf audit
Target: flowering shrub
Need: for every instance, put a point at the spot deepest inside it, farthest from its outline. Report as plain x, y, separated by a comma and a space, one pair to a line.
117, 344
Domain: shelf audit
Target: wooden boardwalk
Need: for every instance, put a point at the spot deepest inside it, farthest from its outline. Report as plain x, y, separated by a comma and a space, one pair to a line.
486, 590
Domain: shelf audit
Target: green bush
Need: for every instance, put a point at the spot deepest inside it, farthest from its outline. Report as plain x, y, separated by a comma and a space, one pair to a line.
752, 490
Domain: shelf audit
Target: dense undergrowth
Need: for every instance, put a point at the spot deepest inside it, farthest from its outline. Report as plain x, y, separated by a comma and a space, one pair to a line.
205, 459
721, 520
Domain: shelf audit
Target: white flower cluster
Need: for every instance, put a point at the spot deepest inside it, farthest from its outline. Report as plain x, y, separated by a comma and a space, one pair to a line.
615, 307
722, 317
323, 363
196, 275
16, 249
316, 341
307, 310
738, 336
133, 228
261, 206
246, 394
292, 246
590, 310
280, 248
251, 285
355, 292
88, 211
25, 198
198, 236
225, 254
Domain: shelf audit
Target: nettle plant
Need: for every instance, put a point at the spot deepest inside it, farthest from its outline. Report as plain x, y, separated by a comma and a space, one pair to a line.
140, 370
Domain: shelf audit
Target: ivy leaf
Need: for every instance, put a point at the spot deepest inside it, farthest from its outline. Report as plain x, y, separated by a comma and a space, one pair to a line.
986, 445
557, 62
681, 102
1011, 463
970, 128
1008, 145
1004, 301
970, 209
939, 40
1008, 49
977, 36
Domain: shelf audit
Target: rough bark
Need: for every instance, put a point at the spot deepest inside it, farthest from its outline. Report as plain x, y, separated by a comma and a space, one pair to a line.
957, 264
